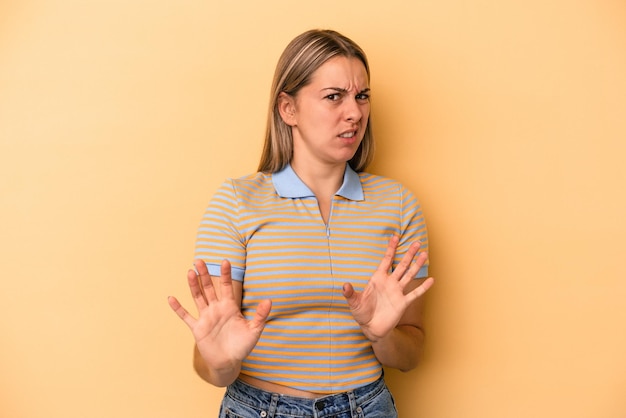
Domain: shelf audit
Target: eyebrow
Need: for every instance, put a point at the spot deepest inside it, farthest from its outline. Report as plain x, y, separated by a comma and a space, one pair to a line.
341, 90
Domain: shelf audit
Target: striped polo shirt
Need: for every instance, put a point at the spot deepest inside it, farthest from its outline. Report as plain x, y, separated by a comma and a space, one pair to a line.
271, 230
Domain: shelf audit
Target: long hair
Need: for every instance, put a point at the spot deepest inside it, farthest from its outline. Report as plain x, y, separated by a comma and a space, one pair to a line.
300, 59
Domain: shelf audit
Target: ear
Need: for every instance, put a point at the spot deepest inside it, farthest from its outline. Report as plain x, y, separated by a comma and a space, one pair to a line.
287, 108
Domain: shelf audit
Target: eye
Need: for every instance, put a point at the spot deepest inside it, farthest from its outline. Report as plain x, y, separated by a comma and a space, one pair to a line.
333, 97
362, 97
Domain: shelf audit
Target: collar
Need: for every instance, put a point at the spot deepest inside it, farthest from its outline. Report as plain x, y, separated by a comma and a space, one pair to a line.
288, 184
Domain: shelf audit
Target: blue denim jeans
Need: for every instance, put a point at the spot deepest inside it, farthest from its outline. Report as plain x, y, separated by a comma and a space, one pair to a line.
370, 401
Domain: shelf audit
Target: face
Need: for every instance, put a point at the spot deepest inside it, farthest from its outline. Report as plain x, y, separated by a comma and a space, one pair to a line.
328, 117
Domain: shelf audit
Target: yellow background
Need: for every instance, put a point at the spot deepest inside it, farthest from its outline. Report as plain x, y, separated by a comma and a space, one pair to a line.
118, 119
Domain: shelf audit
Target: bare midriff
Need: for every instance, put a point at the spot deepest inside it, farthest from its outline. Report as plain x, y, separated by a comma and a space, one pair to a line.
275, 388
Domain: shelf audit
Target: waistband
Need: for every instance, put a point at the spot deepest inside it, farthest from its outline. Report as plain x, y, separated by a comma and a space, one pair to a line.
323, 406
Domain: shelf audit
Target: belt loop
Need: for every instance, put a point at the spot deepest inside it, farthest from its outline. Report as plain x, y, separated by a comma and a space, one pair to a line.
353, 405
271, 411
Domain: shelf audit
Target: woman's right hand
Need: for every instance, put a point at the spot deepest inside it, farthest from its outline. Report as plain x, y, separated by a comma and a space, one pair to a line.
224, 337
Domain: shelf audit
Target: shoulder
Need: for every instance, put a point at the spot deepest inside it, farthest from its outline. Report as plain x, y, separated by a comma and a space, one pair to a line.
381, 188
375, 182
251, 183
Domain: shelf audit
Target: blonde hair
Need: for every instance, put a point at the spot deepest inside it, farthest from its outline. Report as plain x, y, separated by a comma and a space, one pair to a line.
300, 59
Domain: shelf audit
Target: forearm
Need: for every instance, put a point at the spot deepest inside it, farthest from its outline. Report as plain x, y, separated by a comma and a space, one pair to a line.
401, 348
220, 377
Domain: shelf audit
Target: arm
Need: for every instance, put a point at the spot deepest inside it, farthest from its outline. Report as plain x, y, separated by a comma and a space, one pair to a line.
216, 376
402, 347
389, 308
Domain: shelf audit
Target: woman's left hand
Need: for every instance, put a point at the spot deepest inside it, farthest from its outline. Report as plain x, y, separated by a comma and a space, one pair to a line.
379, 307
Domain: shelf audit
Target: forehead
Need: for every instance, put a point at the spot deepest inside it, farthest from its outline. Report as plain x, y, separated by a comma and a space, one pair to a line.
343, 72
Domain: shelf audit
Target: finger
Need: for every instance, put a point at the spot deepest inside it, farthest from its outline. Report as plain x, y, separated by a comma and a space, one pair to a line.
390, 252
414, 269
420, 290
407, 259
262, 312
181, 312
196, 291
352, 297
207, 288
348, 291
226, 281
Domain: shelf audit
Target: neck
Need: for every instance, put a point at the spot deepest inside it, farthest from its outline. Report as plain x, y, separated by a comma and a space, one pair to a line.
323, 180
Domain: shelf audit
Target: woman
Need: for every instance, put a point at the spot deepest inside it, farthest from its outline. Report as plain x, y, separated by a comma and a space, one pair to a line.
307, 277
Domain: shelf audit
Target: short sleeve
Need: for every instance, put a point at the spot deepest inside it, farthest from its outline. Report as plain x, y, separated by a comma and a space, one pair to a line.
218, 234
412, 227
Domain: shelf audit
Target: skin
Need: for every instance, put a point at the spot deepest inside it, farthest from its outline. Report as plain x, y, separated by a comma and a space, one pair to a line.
334, 103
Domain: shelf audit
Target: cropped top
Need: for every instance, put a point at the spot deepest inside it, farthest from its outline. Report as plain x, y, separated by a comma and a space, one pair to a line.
270, 229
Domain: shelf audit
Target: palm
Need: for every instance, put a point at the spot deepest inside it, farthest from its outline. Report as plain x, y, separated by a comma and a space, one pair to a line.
223, 335
221, 331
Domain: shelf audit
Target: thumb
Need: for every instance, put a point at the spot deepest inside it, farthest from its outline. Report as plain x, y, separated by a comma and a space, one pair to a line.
348, 293
262, 312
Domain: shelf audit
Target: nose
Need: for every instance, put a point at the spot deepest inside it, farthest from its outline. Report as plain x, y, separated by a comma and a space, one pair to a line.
353, 110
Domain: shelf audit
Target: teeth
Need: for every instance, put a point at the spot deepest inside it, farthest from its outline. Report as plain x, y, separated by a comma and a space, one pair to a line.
347, 135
